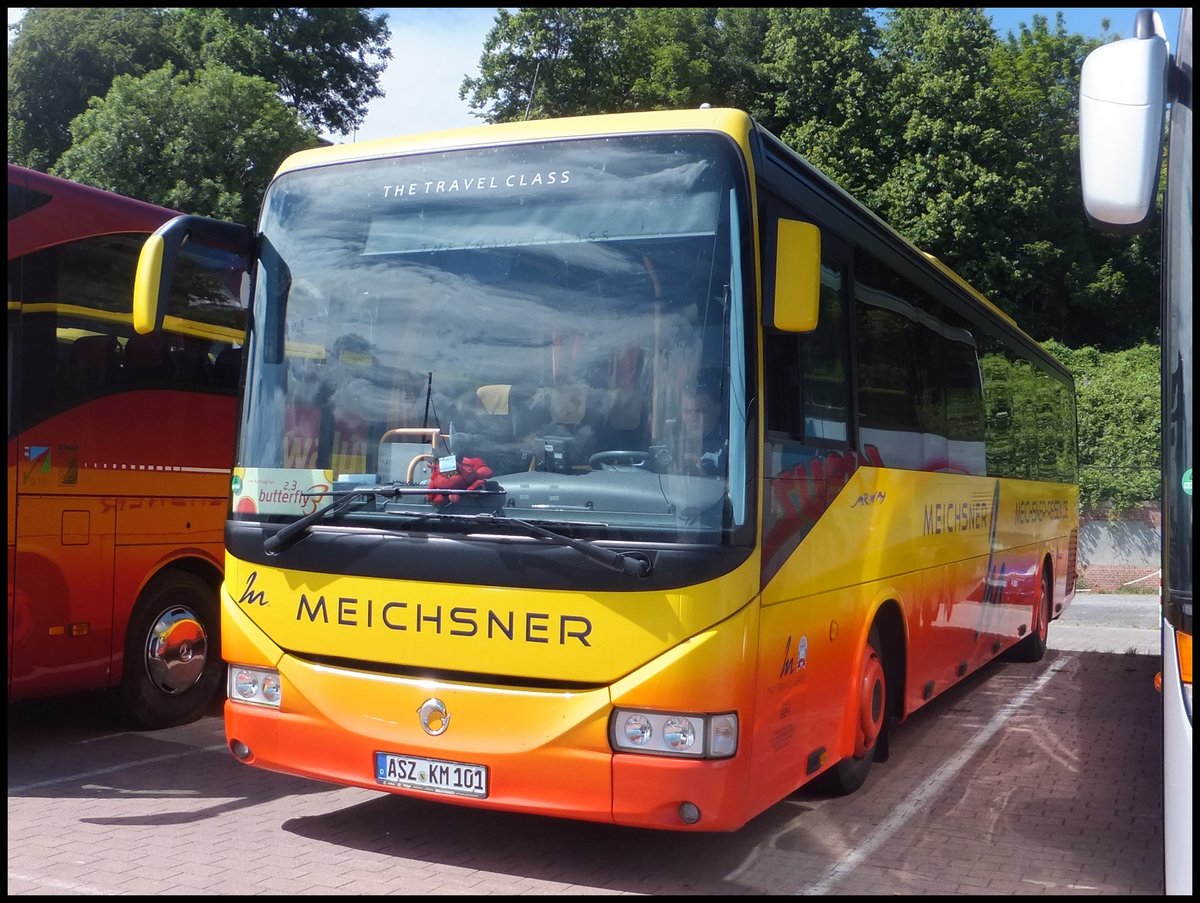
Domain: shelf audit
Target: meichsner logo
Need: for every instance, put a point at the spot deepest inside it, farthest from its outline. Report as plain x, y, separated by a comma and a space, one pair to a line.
434, 717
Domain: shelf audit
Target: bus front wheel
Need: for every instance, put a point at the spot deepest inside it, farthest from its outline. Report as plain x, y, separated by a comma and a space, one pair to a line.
173, 666
871, 703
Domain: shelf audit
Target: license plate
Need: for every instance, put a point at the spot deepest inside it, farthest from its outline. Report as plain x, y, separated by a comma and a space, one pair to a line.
435, 775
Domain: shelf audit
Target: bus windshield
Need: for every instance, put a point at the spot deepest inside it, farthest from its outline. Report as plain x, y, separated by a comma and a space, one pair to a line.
556, 330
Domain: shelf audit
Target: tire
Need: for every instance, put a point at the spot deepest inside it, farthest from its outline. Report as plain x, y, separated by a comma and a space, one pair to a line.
173, 667
872, 695
1032, 648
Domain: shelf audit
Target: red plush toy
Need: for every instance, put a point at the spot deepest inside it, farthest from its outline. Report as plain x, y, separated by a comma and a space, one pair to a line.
470, 473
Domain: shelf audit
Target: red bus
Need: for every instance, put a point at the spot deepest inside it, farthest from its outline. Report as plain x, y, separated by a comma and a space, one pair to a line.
119, 455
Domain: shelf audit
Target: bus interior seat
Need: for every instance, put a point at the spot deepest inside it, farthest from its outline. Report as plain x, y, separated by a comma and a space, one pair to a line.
189, 363
228, 368
93, 362
147, 357
570, 425
625, 425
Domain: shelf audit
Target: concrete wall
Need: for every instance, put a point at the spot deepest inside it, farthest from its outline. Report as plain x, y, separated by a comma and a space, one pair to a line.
1121, 555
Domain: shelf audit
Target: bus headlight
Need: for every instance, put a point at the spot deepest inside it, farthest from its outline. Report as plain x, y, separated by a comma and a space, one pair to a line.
257, 686
674, 734
637, 730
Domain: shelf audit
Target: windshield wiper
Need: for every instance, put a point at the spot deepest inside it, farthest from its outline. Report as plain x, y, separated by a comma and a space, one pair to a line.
631, 563
346, 498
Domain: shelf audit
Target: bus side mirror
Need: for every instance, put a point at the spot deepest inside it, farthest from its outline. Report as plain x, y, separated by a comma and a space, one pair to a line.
1121, 102
209, 242
797, 276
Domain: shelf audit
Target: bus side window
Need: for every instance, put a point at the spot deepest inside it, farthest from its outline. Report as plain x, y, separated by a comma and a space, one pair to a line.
807, 456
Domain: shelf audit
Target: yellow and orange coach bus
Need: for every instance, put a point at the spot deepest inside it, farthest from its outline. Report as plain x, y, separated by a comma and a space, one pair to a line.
618, 468
119, 454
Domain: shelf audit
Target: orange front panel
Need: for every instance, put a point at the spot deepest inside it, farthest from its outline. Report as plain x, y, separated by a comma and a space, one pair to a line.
547, 751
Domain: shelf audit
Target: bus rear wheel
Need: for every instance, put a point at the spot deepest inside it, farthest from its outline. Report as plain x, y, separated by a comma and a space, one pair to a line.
871, 698
173, 666
1032, 648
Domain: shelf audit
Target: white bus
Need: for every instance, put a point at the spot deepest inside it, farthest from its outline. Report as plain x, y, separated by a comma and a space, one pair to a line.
1124, 88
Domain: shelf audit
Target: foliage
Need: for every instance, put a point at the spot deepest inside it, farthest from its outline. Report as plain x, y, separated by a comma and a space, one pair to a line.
324, 62
62, 57
144, 138
1120, 424
965, 143
821, 89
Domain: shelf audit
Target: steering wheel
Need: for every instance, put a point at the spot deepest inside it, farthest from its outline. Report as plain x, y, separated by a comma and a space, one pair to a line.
615, 458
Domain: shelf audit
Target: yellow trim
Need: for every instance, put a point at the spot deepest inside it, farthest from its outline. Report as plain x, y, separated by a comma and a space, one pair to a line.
974, 292
201, 330
146, 285
76, 310
733, 122
171, 323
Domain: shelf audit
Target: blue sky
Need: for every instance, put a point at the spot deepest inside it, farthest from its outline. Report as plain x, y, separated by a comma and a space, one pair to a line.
434, 48
1084, 20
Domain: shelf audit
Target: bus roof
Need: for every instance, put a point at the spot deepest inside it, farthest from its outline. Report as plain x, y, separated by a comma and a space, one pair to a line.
44, 211
735, 122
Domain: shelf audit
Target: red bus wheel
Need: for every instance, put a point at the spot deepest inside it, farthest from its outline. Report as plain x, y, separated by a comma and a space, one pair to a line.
872, 699
1032, 648
870, 695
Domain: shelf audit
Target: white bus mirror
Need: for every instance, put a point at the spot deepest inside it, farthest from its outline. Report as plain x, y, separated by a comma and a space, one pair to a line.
1121, 105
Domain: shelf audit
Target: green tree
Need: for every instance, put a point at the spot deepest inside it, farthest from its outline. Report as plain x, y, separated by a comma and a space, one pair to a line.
325, 61
613, 60
552, 61
947, 156
1120, 423
152, 137
59, 58
1067, 279
820, 90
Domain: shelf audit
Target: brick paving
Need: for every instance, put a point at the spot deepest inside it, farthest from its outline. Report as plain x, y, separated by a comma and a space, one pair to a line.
1026, 780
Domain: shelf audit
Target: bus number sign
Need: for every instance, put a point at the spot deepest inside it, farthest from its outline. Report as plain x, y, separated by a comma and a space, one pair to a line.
434, 775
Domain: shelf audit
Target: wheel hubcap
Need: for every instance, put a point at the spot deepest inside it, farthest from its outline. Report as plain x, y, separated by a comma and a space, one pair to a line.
176, 650
871, 696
